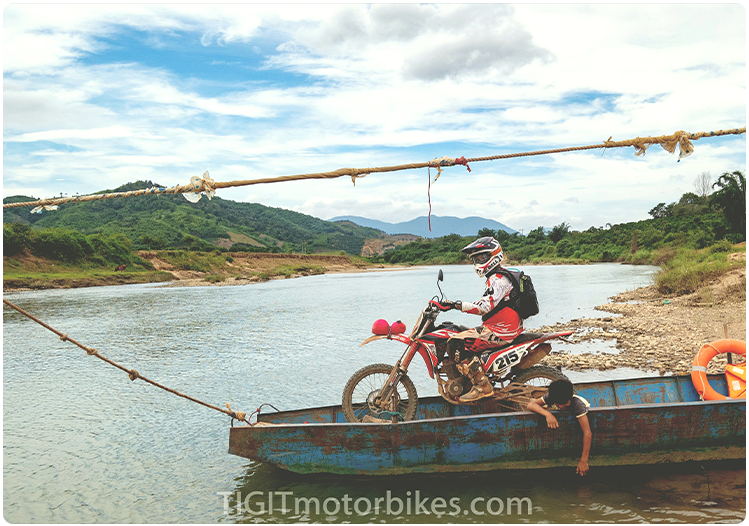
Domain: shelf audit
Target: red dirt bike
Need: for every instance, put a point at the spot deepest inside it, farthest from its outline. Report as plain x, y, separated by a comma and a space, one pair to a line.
381, 391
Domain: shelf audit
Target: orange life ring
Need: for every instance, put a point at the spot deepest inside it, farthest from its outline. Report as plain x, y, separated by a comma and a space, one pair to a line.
699, 370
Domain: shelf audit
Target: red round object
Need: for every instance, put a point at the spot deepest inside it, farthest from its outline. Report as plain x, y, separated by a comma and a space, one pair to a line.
398, 327
381, 327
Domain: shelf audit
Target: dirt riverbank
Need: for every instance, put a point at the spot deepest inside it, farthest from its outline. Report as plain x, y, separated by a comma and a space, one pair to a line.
652, 332
27, 272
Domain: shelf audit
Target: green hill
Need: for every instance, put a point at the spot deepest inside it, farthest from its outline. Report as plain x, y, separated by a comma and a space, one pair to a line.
161, 221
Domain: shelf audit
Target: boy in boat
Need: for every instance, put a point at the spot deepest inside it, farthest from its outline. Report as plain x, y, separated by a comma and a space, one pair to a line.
562, 394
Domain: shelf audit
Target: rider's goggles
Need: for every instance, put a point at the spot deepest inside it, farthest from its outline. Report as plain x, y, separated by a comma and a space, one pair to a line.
482, 257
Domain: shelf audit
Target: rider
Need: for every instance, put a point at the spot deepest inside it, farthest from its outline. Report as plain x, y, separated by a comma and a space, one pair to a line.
500, 326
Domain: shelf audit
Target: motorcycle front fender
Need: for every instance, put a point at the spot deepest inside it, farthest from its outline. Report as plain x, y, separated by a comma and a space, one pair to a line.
430, 362
398, 337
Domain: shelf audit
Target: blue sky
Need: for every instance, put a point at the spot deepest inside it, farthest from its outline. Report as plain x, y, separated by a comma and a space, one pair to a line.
95, 96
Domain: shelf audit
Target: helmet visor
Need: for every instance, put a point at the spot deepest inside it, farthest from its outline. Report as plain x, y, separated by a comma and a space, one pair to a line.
481, 258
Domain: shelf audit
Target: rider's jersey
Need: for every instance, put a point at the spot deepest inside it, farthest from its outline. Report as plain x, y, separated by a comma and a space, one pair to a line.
505, 323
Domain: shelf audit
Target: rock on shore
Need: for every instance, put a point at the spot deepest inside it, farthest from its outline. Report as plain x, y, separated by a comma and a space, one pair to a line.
653, 332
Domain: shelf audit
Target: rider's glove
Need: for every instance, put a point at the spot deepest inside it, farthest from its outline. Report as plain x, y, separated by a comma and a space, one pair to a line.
446, 305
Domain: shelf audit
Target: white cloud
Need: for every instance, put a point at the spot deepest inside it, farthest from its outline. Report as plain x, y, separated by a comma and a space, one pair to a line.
386, 84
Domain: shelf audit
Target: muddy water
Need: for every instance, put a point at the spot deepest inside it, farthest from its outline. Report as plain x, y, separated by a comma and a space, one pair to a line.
83, 444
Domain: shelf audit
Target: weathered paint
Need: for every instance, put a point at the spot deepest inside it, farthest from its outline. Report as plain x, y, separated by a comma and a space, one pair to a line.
639, 421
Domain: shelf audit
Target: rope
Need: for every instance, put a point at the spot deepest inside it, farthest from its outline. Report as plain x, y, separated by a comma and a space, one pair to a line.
131, 373
206, 184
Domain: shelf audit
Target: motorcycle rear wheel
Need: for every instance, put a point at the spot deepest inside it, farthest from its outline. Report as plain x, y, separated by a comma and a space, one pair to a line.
539, 376
364, 385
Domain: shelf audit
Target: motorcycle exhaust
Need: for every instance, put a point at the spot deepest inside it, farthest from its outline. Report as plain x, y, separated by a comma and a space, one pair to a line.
534, 356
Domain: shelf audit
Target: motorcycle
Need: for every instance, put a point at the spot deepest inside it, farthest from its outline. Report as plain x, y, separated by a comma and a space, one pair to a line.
385, 392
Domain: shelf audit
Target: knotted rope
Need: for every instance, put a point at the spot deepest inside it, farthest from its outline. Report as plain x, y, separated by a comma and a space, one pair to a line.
206, 184
131, 373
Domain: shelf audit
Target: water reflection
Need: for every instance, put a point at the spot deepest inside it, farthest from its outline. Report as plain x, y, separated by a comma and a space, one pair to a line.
691, 492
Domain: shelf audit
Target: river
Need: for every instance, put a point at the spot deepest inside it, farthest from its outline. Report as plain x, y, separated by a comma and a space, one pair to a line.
84, 444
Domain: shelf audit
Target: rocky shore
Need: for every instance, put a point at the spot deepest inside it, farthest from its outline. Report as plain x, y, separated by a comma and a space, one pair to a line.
659, 333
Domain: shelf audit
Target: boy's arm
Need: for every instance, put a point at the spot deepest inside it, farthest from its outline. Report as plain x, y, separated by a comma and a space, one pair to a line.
582, 466
536, 406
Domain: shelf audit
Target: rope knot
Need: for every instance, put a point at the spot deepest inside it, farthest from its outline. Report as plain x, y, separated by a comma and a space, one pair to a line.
356, 174
463, 161
200, 185
239, 415
64, 337
133, 374
91, 352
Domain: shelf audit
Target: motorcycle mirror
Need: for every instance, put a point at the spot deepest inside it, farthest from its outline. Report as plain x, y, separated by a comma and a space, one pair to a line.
440, 276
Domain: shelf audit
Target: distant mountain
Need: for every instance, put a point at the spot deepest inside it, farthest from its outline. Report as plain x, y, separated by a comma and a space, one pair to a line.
441, 225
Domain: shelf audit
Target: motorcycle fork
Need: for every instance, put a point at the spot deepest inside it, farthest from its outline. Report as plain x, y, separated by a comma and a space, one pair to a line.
400, 369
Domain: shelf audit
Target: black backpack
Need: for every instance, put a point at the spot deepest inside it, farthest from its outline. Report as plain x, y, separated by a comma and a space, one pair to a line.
522, 299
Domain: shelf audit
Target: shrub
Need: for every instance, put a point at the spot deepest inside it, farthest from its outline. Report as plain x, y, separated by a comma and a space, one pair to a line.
721, 246
60, 244
16, 238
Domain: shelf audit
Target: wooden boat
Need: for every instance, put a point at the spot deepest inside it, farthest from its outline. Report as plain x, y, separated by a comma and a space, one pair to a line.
637, 421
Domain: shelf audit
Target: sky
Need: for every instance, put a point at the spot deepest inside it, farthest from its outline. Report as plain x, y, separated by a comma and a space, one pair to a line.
98, 95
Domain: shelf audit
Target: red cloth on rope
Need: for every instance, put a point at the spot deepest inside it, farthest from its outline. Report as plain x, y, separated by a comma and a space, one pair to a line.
463, 161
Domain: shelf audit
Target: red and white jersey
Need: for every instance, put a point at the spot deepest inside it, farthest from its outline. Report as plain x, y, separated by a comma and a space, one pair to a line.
498, 287
505, 323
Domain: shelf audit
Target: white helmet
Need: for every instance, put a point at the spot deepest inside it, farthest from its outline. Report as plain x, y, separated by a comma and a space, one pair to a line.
486, 254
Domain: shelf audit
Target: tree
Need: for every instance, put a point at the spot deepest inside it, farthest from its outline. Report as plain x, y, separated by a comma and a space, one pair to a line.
486, 232
703, 184
662, 210
731, 198
537, 234
559, 231
690, 204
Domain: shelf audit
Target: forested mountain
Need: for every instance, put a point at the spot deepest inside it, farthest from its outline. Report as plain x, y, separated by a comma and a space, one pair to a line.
161, 221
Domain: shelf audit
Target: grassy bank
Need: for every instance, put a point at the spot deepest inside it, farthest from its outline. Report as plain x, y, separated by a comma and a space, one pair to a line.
689, 270
27, 271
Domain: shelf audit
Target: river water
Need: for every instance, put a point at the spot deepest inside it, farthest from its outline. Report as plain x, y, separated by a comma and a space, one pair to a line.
84, 444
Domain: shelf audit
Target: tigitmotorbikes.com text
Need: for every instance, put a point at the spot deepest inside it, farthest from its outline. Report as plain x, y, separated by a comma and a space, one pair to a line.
280, 503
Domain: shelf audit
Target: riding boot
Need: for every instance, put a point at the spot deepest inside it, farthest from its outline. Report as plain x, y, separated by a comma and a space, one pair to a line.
482, 388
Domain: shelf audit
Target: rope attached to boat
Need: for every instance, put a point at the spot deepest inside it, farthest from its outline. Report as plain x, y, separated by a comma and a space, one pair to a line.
131, 373
192, 191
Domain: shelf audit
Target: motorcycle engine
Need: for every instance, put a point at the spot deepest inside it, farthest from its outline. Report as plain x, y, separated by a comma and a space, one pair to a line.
457, 386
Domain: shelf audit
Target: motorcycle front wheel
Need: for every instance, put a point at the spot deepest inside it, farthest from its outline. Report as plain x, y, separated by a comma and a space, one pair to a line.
361, 394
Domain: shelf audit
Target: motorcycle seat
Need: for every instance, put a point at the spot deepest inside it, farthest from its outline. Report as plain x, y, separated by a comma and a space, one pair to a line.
526, 337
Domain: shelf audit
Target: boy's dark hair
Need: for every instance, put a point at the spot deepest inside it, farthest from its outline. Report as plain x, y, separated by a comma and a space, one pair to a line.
560, 391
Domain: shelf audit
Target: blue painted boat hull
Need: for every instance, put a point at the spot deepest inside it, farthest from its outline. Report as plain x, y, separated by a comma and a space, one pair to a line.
641, 421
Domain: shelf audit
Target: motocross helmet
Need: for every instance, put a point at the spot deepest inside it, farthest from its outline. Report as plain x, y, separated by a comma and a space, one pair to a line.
486, 254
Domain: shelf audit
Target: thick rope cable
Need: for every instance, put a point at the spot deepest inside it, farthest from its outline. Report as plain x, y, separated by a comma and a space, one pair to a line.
197, 185
132, 373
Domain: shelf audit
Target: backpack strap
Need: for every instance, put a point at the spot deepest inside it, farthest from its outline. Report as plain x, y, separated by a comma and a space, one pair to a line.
505, 302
